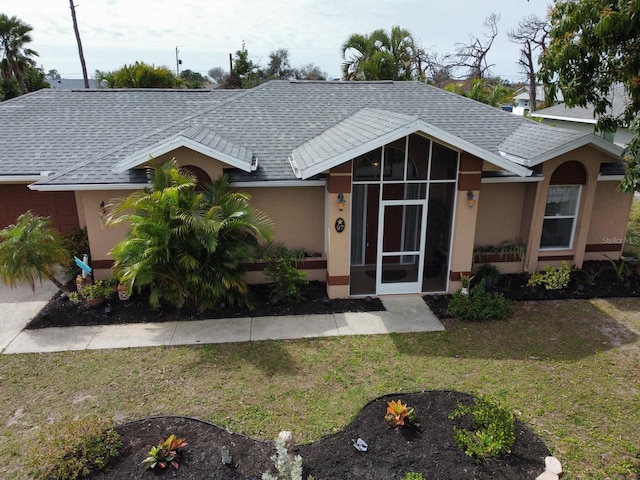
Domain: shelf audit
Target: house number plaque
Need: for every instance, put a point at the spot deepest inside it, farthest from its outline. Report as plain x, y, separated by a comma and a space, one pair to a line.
340, 225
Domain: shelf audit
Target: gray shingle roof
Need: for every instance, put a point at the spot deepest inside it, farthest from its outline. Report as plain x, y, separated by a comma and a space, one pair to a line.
619, 101
52, 130
311, 120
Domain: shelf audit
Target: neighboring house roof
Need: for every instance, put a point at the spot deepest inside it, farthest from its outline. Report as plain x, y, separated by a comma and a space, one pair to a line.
71, 83
279, 131
619, 101
523, 94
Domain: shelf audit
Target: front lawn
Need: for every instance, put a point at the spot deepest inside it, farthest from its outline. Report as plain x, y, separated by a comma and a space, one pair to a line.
570, 369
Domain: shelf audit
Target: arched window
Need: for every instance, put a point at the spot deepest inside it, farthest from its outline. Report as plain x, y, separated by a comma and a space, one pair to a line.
561, 211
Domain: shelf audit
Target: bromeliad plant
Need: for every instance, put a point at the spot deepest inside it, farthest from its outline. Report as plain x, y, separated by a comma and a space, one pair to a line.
165, 453
399, 414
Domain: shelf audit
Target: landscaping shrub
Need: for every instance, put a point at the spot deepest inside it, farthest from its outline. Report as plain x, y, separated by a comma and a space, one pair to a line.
551, 278
286, 278
489, 274
165, 453
184, 246
72, 449
288, 468
493, 429
77, 243
479, 305
30, 250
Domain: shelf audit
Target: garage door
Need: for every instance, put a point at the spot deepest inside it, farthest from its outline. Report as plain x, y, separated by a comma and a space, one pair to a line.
59, 206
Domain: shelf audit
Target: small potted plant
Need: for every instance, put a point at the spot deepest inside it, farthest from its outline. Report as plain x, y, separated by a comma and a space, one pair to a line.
466, 283
96, 293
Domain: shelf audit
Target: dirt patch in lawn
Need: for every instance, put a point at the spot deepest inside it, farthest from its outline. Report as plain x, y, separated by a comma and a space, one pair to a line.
429, 450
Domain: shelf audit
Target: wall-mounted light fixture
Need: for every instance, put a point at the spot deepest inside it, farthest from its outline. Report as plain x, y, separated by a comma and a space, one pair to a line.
341, 201
102, 214
471, 199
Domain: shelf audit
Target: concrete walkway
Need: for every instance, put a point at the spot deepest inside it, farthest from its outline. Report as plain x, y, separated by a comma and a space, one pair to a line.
404, 314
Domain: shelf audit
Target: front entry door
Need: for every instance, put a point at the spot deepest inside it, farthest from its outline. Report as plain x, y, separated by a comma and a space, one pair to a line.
401, 239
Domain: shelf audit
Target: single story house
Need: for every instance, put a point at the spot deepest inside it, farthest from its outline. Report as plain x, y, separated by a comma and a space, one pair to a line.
395, 184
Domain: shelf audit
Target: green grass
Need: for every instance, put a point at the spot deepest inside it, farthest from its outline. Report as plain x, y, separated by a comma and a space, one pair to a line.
570, 369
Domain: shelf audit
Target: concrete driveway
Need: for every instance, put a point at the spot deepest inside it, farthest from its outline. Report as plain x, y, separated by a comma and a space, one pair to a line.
18, 306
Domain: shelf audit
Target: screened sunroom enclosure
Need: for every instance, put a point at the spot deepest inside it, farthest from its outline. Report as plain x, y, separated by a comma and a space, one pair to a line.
402, 205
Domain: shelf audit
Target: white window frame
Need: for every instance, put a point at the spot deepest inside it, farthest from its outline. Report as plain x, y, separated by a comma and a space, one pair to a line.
573, 216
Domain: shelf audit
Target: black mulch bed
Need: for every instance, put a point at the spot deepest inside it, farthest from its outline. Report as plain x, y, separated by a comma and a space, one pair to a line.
582, 285
391, 453
62, 313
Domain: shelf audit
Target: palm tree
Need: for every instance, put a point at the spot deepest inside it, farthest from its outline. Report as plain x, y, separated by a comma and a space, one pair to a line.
14, 35
30, 250
186, 247
379, 56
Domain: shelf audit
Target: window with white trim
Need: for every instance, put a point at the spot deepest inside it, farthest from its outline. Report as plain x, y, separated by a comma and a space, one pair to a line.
560, 216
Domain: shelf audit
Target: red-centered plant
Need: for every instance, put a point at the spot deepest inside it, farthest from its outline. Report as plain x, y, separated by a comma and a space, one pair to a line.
399, 414
165, 453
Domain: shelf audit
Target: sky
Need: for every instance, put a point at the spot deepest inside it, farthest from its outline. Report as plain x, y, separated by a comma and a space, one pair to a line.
205, 32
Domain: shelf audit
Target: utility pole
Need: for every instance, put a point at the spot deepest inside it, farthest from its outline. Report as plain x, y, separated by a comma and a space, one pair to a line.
178, 62
75, 28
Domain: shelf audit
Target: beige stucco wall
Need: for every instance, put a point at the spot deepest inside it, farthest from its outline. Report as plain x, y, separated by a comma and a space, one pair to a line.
590, 158
464, 228
609, 219
101, 238
297, 214
338, 252
500, 207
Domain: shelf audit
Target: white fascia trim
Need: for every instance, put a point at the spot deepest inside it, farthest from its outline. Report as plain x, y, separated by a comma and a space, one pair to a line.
23, 178
280, 183
610, 178
588, 139
172, 144
88, 187
19, 178
564, 119
412, 127
511, 179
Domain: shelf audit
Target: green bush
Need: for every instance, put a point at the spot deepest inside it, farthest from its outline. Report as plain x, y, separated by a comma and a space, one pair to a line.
77, 242
73, 449
492, 434
187, 247
286, 278
489, 274
551, 278
479, 305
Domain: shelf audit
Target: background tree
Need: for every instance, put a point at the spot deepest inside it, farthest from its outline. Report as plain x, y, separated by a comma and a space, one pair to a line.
52, 74
279, 67
139, 75
30, 250
380, 56
217, 74
533, 36
244, 73
473, 56
310, 72
193, 80
187, 247
16, 56
434, 68
76, 30
594, 45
